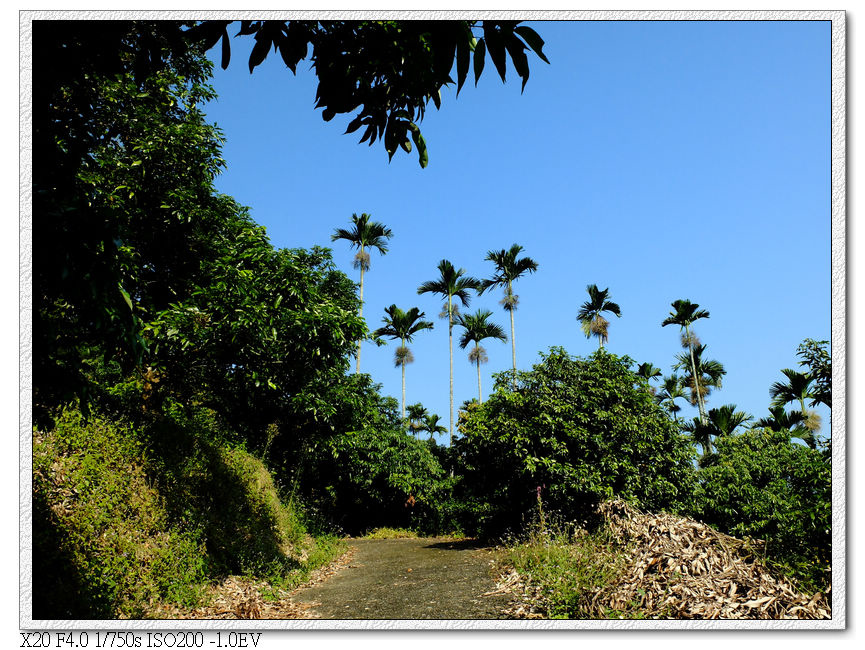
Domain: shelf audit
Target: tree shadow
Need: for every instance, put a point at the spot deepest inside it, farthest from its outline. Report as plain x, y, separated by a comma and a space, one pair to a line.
59, 590
459, 545
220, 495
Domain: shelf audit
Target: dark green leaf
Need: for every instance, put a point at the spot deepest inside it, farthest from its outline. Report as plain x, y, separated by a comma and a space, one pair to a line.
480, 53
463, 58
516, 49
496, 46
534, 41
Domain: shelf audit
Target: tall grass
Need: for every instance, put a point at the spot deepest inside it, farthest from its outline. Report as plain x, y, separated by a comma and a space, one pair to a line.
561, 565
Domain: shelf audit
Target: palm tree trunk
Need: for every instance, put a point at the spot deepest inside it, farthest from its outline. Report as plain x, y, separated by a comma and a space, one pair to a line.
403, 390
696, 379
357, 370
480, 399
513, 339
451, 349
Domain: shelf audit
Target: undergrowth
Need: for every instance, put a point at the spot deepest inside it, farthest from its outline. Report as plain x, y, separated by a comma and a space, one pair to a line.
130, 516
561, 565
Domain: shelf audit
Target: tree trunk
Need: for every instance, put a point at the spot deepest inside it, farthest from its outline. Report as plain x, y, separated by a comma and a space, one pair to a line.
403, 390
513, 338
696, 378
357, 370
480, 398
451, 349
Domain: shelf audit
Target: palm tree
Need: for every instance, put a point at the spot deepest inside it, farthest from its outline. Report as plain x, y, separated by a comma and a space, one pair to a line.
721, 421
477, 328
508, 269
684, 315
431, 425
417, 414
590, 317
709, 375
402, 325
365, 234
672, 388
794, 422
451, 284
649, 371
799, 387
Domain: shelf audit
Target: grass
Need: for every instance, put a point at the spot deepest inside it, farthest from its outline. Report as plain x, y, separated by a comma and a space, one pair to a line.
127, 518
406, 533
561, 567
391, 533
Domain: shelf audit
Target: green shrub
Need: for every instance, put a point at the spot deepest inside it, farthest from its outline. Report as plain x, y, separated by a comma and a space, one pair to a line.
102, 546
576, 432
764, 486
127, 517
361, 473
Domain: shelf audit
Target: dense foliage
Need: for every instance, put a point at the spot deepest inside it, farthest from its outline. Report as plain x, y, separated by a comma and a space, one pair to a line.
361, 475
572, 433
764, 486
129, 516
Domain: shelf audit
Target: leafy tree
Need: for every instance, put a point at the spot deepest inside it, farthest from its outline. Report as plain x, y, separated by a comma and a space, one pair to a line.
403, 325
253, 310
477, 328
365, 234
582, 429
763, 486
123, 164
391, 70
509, 267
684, 314
591, 320
359, 474
816, 358
450, 284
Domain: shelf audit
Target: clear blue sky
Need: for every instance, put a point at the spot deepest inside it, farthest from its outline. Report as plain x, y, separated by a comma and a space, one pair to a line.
663, 160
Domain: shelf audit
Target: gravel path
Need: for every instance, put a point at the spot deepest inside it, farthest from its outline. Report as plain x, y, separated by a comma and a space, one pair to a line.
429, 578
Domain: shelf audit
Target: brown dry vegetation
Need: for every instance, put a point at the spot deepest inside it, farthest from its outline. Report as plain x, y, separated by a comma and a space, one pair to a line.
670, 567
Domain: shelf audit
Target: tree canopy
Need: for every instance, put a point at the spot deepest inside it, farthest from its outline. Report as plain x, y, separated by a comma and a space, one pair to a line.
582, 430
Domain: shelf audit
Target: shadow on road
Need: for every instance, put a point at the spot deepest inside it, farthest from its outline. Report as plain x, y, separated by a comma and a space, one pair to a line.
458, 545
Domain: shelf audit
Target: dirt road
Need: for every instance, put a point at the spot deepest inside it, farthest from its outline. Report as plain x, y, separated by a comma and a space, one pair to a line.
430, 578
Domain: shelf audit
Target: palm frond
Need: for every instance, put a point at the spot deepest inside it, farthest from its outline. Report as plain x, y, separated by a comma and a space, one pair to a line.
478, 328
684, 313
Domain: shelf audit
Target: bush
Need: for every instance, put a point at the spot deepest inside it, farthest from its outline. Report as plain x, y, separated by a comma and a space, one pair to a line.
129, 517
102, 546
360, 467
572, 433
764, 486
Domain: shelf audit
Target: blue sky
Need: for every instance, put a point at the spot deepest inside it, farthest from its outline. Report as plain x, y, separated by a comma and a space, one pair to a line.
663, 160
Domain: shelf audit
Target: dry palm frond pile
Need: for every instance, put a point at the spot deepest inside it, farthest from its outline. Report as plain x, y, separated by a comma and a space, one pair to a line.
680, 568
